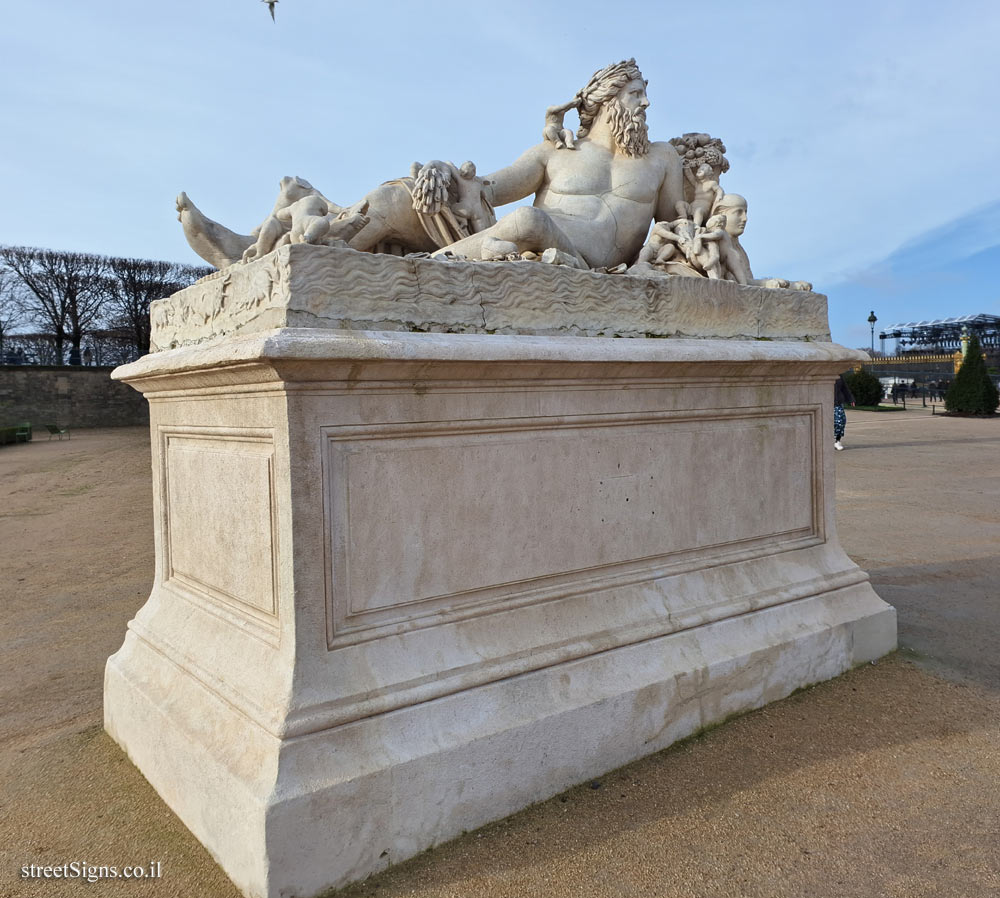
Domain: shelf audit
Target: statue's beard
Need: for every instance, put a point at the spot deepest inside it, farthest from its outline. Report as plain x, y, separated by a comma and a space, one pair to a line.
628, 128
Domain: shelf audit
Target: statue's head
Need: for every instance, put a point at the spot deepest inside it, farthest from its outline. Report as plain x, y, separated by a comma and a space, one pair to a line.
734, 207
619, 91
716, 221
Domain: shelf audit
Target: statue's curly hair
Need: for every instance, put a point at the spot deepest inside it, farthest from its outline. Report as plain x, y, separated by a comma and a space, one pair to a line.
603, 85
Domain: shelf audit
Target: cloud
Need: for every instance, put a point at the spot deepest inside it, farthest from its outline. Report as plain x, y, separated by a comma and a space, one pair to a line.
945, 271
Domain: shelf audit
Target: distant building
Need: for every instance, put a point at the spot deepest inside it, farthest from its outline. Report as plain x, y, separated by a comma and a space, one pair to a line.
925, 353
943, 335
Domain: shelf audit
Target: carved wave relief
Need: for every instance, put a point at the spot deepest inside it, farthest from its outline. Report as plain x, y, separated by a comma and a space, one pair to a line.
315, 286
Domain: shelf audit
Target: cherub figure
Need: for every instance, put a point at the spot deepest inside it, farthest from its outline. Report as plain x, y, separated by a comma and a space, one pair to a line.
475, 199
311, 221
685, 231
554, 132
707, 194
309, 218
275, 227
661, 246
667, 241
705, 246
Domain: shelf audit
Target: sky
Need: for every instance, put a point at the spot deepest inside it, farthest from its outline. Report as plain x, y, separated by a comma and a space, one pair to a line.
863, 134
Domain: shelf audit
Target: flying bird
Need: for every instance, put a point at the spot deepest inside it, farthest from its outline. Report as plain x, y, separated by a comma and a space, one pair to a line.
270, 6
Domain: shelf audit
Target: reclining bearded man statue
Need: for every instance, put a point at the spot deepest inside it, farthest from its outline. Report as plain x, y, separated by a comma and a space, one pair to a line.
593, 201
597, 200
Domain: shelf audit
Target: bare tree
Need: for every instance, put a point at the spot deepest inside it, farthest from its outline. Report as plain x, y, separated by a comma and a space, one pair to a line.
134, 283
64, 291
10, 308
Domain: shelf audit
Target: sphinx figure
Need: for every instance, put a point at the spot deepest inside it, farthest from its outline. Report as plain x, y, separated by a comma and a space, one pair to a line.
683, 248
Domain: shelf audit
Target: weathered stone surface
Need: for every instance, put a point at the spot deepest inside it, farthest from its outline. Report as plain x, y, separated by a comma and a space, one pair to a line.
410, 583
68, 395
330, 287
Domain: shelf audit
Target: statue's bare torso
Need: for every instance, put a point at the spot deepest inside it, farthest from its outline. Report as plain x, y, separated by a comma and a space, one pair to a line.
597, 202
603, 201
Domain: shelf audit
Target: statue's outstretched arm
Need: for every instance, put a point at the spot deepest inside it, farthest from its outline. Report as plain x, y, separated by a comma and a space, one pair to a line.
522, 178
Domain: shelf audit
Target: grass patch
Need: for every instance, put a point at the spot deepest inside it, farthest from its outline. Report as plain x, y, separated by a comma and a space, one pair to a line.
78, 490
879, 408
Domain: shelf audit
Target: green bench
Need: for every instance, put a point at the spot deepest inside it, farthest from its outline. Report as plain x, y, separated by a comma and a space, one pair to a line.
56, 430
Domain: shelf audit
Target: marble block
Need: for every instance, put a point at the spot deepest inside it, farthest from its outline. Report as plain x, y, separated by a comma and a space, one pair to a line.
304, 286
408, 583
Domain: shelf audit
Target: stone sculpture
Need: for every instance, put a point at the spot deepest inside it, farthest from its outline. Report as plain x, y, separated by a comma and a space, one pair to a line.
712, 250
431, 544
707, 194
302, 214
706, 246
592, 208
555, 132
734, 207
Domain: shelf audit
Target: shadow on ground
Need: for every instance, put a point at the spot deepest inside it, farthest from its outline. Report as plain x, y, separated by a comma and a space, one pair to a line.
949, 615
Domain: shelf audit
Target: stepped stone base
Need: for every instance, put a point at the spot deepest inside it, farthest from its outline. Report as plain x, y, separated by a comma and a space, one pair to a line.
410, 583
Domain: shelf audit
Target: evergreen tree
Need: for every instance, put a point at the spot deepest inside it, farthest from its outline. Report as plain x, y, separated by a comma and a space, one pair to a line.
865, 386
972, 392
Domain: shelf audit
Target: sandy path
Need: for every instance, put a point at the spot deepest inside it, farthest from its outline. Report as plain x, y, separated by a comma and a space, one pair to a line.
885, 782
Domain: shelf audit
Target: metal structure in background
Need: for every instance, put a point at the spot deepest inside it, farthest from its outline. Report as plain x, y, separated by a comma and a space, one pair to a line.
942, 335
927, 353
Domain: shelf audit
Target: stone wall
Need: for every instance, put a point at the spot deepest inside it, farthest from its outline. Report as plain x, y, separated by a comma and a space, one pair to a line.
70, 396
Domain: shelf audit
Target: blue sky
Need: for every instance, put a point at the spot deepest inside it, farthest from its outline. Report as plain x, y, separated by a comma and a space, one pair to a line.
864, 135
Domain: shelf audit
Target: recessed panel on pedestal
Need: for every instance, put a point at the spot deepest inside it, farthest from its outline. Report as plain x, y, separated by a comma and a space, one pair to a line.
219, 528
432, 519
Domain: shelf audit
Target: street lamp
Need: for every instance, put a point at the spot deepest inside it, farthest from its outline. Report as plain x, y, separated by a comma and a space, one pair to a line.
871, 321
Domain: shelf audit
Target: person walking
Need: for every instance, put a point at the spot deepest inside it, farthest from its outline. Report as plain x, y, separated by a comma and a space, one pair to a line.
841, 396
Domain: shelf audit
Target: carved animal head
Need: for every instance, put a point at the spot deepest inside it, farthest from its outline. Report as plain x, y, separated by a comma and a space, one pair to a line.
294, 188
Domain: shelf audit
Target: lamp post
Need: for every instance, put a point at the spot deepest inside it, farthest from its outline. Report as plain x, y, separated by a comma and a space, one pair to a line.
871, 321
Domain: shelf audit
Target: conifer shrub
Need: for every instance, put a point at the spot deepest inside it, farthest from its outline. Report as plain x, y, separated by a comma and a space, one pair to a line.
865, 386
972, 392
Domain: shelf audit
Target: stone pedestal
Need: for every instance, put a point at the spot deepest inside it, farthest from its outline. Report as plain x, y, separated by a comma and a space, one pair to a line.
409, 583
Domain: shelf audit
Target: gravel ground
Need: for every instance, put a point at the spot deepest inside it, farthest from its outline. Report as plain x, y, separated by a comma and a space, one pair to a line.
884, 782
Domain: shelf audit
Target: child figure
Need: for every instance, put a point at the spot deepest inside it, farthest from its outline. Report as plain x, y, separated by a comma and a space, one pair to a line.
705, 246
707, 193
475, 199
684, 229
554, 132
312, 221
665, 240
309, 218
273, 232
661, 246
